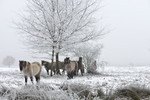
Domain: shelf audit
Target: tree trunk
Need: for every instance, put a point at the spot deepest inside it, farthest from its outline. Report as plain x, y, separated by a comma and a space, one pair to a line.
52, 61
57, 64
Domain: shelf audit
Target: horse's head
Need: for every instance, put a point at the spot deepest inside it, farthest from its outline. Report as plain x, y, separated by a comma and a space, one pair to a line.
67, 60
80, 59
44, 63
22, 64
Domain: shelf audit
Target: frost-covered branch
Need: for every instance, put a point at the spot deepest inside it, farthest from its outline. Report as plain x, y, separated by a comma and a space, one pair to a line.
62, 23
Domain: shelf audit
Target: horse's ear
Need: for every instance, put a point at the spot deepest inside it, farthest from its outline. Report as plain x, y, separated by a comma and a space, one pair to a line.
68, 60
27, 64
80, 58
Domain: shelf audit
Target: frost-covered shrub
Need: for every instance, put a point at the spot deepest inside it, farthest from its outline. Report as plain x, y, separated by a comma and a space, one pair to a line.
92, 71
42, 92
28, 93
100, 93
143, 92
130, 93
79, 89
4, 91
83, 91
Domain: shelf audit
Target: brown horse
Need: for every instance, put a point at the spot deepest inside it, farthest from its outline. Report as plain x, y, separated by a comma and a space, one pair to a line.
49, 66
61, 66
80, 66
30, 70
70, 67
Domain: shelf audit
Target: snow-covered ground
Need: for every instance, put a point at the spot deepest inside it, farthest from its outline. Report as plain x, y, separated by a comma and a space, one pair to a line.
111, 78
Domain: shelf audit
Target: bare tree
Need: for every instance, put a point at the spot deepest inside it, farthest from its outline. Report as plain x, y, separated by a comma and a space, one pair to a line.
54, 25
9, 60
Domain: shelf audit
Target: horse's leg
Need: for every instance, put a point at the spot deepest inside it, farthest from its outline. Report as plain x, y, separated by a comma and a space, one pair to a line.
72, 73
47, 72
69, 75
54, 71
37, 77
31, 78
63, 71
51, 72
26, 79
77, 72
81, 71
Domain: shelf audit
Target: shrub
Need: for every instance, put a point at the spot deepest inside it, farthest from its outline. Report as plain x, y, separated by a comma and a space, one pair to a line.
40, 93
143, 92
4, 91
100, 93
130, 93
83, 91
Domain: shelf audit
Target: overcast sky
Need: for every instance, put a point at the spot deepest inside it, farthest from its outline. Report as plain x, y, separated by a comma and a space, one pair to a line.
127, 43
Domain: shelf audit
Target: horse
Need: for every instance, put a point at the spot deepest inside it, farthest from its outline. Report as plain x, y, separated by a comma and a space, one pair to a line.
48, 66
70, 67
30, 70
61, 66
80, 66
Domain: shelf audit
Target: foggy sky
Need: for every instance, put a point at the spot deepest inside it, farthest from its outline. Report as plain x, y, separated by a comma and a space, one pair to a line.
127, 43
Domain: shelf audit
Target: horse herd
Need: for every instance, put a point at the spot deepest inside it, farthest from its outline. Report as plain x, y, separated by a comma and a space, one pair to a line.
34, 69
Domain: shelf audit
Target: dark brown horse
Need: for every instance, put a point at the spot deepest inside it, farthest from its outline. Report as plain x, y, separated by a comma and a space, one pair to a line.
80, 66
49, 66
61, 66
70, 67
30, 70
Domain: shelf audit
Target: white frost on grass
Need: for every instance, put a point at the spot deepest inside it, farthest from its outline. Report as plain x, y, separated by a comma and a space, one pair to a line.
111, 79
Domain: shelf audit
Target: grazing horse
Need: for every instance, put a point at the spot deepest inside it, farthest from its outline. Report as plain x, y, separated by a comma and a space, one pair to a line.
30, 70
48, 66
61, 66
80, 66
70, 67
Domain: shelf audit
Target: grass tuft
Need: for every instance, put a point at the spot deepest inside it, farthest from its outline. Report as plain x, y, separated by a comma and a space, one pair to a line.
4, 91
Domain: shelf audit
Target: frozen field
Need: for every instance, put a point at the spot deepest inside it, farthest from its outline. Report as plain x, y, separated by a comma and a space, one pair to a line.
111, 78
